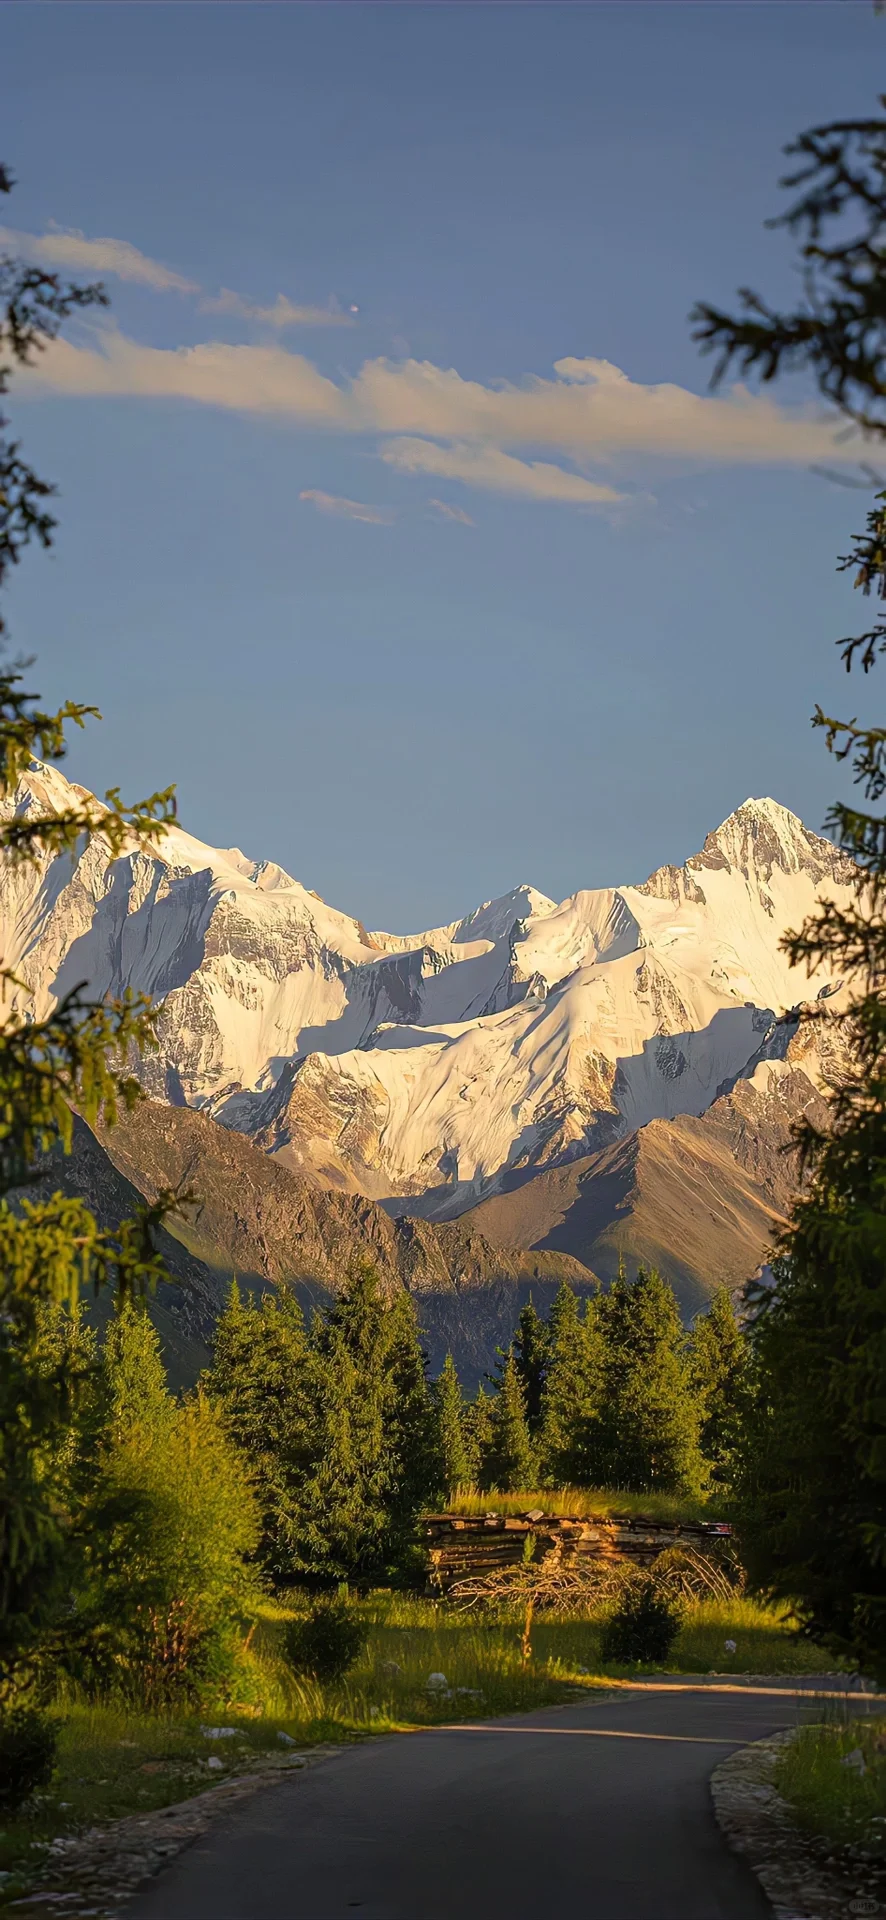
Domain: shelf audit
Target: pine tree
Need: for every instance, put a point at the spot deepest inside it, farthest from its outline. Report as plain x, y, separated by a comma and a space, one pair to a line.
373, 1463
718, 1359
813, 1472
509, 1463
79, 1055
531, 1348
571, 1397
646, 1437
478, 1436
263, 1381
455, 1465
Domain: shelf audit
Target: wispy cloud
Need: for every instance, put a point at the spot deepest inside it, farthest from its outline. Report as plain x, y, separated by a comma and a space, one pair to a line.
588, 415
447, 512
67, 247
348, 509
283, 313
502, 472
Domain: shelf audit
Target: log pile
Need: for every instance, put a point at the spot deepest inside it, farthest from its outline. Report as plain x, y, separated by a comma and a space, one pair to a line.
469, 1545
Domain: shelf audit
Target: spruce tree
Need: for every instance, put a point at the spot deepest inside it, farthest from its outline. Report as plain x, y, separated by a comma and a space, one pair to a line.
646, 1436
813, 1475
509, 1463
571, 1397
718, 1359
263, 1381
79, 1055
478, 1435
372, 1440
531, 1347
455, 1465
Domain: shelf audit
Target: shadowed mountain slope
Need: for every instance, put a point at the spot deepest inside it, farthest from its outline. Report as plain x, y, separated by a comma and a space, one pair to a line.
702, 1198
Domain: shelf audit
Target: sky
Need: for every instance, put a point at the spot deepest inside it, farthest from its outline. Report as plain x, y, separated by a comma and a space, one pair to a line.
398, 525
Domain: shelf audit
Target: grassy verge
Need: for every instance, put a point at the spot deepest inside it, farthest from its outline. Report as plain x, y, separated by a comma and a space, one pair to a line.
843, 1804
113, 1762
581, 1502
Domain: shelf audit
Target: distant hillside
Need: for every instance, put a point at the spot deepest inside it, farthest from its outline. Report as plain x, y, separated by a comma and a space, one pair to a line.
257, 1219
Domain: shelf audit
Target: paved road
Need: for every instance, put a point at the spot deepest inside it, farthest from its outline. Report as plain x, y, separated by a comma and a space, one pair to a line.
596, 1812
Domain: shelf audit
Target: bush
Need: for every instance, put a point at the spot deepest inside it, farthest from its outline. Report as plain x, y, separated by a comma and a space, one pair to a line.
27, 1755
643, 1627
327, 1642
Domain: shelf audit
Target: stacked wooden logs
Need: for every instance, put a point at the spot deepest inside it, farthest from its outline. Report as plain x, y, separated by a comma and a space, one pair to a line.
462, 1545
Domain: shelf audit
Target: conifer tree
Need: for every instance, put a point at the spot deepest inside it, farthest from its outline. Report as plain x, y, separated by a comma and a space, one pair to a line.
167, 1526
478, 1435
455, 1466
813, 1477
646, 1437
718, 1366
263, 1381
78, 1055
572, 1389
373, 1458
509, 1463
531, 1347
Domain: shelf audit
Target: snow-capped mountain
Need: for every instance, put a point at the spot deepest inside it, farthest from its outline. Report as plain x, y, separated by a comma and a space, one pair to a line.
430, 1069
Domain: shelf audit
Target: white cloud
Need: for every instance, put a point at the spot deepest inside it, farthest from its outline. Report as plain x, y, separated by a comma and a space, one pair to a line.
490, 467
486, 435
348, 509
447, 512
283, 313
67, 247
246, 379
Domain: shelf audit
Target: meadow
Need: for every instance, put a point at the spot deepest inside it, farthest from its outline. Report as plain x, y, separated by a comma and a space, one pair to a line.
114, 1761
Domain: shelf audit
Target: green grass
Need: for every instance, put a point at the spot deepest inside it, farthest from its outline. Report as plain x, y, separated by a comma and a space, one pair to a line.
114, 1762
843, 1805
583, 1502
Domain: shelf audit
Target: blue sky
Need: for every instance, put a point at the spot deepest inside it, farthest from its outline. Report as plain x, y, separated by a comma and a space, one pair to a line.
424, 600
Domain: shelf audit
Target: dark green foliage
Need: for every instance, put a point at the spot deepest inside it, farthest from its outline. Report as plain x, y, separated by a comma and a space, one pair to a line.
263, 1381
572, 1391
478, 1433
338, 1427
455, 1464
373, 1463
531, 1347
645, 1438
328, 1642
812, 1484
718, 1359
28, 1742
508, 1463
643, 1628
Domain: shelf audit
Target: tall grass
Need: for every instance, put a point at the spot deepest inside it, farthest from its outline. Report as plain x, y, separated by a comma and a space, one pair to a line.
587, 1502
843, 1804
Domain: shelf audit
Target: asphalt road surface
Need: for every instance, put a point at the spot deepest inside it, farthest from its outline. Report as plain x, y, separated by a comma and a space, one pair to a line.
594, 1812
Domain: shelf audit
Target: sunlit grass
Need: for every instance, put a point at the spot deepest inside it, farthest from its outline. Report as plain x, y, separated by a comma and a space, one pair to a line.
584, 1502
113, 1761
844, 1804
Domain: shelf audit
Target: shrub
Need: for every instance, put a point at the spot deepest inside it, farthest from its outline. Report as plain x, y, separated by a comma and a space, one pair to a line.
27, 1755
643, 1627
327, 1642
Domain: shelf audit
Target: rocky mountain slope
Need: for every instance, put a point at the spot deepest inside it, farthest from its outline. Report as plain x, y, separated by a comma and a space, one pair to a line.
506, 1066
702, 1198
258, 1220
